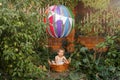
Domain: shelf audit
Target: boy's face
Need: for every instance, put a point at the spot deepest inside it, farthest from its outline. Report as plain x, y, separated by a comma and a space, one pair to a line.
61, 52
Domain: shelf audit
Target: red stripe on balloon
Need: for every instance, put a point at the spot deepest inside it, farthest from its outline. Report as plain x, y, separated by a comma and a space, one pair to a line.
52, 30
51, 25
51, 19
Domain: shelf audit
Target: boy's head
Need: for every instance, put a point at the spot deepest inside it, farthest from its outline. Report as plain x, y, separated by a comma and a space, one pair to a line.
61, 52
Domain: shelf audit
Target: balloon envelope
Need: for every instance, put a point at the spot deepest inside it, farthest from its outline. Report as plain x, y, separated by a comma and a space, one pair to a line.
60, 21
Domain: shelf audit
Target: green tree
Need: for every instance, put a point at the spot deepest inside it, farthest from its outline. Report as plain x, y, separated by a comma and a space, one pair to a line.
22, 34
19, 33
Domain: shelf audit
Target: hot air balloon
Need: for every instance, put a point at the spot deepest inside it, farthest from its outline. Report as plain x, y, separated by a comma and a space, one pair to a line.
60, 20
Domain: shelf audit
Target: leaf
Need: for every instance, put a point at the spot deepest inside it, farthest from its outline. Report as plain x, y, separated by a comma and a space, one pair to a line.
14, 57
6, 57
85, 60
112, 68
14, 73
83, 49
19, 74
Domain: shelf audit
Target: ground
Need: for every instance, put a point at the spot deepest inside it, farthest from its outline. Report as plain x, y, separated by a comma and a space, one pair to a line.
57, 75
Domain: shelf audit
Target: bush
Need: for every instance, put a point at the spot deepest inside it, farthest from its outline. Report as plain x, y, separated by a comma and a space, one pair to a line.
98, 65
18, 36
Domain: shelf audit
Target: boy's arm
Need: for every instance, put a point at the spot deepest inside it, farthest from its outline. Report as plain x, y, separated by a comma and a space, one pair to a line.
64, 58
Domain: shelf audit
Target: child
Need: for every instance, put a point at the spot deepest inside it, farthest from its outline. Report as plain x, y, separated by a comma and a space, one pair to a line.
60, 59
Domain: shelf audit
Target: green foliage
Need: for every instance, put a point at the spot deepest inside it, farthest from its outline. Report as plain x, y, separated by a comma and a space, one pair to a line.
23, 44
97, 4
102, 18
98, 65
35, 5
23, 38
19, 33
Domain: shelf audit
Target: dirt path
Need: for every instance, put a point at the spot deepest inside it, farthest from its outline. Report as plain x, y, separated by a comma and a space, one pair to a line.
57, 76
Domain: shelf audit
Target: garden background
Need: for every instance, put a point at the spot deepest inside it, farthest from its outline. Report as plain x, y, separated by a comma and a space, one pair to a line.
25, 46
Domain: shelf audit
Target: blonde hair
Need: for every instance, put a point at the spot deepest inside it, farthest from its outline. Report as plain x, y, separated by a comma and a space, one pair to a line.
61, 49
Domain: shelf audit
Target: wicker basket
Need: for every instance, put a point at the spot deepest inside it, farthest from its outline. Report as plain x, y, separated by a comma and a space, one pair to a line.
59, 68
